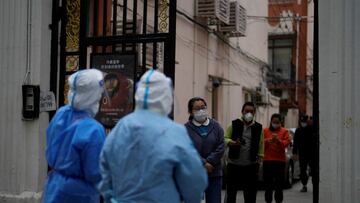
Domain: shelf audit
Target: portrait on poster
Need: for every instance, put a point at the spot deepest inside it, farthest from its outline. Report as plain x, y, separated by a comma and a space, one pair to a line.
119, 75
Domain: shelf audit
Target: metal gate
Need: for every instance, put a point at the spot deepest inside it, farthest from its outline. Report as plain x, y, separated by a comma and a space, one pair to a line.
81, 29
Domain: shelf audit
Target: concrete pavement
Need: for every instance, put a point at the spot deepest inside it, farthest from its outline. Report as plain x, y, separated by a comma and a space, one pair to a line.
292, 195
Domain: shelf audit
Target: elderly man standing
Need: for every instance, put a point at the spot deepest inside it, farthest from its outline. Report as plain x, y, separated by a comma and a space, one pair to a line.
147, 157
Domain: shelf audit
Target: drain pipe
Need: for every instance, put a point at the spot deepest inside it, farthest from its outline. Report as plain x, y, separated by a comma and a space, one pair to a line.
27, 78
316, 113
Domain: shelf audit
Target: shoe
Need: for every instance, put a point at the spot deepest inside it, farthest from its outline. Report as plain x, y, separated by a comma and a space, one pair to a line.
304, 189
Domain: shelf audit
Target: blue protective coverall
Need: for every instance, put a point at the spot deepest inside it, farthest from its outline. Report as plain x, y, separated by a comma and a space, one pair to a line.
74, 142
148, 158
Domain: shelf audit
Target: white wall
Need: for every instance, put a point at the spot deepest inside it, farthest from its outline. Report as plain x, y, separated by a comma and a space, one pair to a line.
22, 163
201, 54
264, 113
339, 50
256, 40
292, 118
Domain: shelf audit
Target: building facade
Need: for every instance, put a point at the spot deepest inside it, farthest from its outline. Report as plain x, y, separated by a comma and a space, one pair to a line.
24, 59
290, 55
339, 97
237, 64
226, 71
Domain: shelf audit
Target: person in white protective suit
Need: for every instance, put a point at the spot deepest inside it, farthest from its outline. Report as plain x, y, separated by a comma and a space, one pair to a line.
148, 158
73, 143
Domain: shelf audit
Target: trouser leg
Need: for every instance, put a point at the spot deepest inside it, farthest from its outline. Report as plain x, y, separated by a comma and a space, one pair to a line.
268, 180
232, 183
250, 181
303, 170
279, 172
213, 191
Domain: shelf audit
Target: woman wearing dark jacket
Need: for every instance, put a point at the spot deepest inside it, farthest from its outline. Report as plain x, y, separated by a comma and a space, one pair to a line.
208, 138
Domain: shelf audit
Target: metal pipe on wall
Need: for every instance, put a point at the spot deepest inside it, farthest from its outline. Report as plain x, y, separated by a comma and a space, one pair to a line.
27, 78
316, 122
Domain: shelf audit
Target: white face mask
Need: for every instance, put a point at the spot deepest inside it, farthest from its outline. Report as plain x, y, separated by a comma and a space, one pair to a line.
303, 124
201, 115
248, 117
275, 126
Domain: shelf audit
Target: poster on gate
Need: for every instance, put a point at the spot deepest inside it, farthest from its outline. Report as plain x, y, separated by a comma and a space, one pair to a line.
119, 77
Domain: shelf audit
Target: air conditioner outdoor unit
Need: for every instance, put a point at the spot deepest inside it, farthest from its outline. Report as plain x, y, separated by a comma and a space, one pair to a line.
219, 9
237, 23
259, 99
260, 95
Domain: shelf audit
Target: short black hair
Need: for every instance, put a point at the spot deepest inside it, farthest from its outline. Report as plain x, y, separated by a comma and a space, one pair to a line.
303, 118
248, 104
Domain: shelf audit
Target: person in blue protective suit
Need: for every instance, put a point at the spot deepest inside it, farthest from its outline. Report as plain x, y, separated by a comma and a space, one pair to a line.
74, 142
148, 158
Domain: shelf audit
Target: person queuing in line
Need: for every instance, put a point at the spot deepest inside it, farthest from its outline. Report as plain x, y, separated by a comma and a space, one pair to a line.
276, 139
149, 158
245, 140
73, 143
304, 149
208, 138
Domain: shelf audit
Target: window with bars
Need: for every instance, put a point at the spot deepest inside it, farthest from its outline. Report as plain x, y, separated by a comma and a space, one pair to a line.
280, 58
139, 48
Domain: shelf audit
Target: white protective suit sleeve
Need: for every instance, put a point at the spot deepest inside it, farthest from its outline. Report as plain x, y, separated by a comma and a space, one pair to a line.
190, 175
105, 185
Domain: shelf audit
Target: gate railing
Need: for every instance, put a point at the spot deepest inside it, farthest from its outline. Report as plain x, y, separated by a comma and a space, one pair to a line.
97, 26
